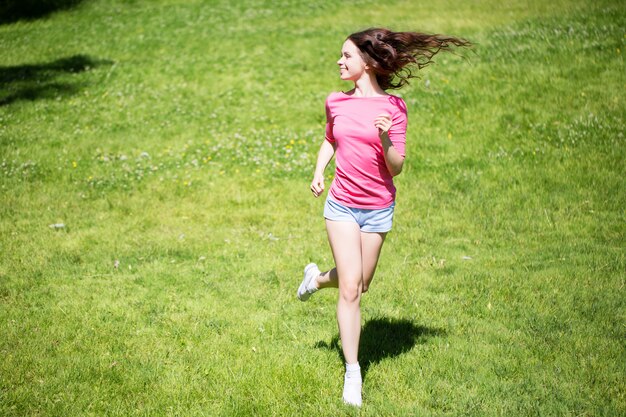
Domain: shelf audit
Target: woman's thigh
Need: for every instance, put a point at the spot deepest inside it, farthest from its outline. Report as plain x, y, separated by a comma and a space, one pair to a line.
371, 245
345, 243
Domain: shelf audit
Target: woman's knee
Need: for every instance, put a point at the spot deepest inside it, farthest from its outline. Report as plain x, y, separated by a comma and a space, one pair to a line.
351, 292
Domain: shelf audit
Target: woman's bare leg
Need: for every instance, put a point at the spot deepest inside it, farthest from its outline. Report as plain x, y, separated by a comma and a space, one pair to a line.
371, 245
328, 279
345, 243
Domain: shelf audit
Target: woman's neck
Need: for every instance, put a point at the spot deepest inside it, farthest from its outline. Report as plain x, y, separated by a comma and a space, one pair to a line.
367, 86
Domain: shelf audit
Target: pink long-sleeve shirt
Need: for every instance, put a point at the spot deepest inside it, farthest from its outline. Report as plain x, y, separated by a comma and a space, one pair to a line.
362, 179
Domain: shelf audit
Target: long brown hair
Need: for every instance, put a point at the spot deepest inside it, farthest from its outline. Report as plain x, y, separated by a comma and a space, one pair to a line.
390, 53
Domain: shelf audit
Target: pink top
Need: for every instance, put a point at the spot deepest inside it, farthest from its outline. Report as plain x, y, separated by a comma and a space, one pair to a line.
362, 179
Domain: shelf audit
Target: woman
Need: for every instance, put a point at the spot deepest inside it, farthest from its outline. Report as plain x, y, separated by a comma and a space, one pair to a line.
366, 129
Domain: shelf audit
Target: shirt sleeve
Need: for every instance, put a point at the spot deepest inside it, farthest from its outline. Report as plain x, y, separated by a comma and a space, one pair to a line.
329, 123
397, 132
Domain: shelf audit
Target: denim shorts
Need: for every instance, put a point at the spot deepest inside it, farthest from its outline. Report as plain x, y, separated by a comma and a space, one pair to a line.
372, 221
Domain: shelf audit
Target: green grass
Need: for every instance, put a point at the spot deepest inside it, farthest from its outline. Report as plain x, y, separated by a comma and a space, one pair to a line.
176, 140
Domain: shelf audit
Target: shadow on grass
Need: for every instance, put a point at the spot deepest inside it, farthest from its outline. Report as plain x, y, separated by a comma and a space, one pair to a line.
14, 10
38, 81
383, 338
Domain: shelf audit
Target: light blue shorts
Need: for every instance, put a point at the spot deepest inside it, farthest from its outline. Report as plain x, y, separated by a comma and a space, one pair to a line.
372, 221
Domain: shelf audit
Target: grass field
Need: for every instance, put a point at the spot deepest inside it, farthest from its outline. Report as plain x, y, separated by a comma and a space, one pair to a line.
172, 144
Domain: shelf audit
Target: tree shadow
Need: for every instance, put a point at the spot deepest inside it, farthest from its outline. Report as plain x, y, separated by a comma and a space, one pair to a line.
14, 10
37, 81
383, 338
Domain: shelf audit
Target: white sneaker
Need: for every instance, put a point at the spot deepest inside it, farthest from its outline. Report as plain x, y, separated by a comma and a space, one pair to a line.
311, 271
352, 391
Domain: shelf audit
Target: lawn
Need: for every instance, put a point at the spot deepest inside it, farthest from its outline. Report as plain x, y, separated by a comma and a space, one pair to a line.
155, 212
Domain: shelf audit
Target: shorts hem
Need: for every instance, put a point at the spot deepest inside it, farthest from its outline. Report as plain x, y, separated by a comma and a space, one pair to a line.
363, 229
375, 231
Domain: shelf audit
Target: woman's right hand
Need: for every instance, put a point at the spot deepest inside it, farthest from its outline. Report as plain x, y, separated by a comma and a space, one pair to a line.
317, 185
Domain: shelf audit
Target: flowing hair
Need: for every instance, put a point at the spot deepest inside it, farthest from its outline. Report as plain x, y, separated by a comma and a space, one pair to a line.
390, 54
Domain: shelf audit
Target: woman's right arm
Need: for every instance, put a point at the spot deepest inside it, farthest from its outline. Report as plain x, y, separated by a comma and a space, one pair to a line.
327, 150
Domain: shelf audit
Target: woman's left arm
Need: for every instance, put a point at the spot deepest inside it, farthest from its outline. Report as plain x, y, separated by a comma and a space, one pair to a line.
393, 159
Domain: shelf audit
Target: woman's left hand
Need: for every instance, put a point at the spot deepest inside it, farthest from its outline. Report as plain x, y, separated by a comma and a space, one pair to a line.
382, 123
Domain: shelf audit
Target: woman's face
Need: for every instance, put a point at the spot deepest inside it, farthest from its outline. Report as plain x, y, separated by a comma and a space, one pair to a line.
351, 64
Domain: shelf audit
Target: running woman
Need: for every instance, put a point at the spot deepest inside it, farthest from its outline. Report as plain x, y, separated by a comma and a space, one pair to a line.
365, 130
